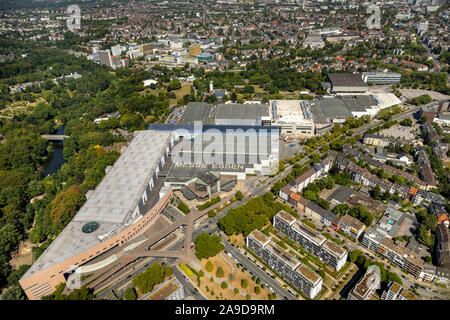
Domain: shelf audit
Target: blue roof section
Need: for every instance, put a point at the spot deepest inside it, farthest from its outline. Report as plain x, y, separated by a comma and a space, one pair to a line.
222, 128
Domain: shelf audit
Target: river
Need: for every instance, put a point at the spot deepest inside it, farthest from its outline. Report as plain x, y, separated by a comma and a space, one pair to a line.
56, 159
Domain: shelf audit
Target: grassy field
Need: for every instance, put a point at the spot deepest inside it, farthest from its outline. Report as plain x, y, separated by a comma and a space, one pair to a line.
180, 93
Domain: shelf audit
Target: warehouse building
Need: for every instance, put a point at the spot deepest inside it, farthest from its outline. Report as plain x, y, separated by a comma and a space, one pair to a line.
243, 114
294, 117
381, 77
347, 82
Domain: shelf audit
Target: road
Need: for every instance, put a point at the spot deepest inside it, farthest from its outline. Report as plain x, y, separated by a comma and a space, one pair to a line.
210, 226
189, 288
407, 279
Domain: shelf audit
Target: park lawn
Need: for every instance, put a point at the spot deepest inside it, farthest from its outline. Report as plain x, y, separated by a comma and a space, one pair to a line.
232, 278
215, 287
180, 93
258, 89
238, 276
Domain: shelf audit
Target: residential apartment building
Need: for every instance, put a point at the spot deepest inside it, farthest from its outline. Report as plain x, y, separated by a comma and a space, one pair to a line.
394, 291
367, 285
171, 289
443, 245
404, 258
311, 240
302, 277
351, 226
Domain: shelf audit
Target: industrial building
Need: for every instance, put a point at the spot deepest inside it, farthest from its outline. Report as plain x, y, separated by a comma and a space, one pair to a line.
294, 117
242, 114
301, 276
227, 114
381, 77
213, 158
347, 83
123, 205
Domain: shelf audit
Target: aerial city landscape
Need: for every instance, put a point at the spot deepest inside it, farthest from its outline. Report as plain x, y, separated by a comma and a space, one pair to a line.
224, 150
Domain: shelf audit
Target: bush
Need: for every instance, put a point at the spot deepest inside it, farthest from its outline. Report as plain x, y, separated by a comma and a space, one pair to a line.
257, 290
236, 291
183, 207
209, 203
224, 285
201, 274
209, 266
186, 270
211, 279
220, 273
211, 213
244, 284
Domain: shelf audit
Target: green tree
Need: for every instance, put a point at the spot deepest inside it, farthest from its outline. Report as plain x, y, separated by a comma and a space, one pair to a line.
145, 281
220, 273
65, 206
183, 207
244, 283
224, 285
209, 266
207, 245
130, 294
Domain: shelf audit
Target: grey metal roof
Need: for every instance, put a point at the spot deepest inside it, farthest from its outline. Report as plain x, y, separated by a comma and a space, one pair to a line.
335, 108
196, 111
242, 111
358, 102
112, 202
346, 80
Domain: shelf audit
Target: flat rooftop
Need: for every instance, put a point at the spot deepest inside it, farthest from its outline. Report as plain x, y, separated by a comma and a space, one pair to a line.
286, 216
309, 232
198, 111
282, 254
165, 290
346, 80
308, 273
333, 247
358, 102
242, 111
341, 194
289, 111
258, 235
366, 284
113, 201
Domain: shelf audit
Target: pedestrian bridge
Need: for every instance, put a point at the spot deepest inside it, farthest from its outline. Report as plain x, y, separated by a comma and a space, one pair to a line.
54, 137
